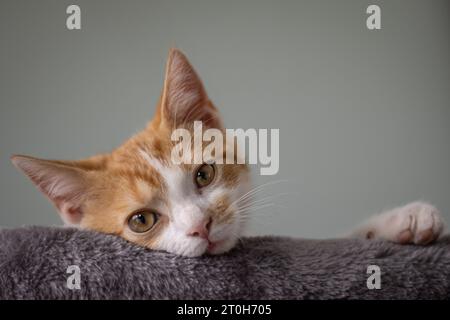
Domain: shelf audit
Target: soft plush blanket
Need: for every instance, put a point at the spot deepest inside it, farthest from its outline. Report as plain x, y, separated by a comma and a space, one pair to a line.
35, 263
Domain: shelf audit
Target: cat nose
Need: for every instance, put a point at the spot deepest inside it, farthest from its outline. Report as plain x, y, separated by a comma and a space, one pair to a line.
201, 230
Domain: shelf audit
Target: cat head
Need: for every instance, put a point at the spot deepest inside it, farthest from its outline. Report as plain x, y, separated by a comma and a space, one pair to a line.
137, 192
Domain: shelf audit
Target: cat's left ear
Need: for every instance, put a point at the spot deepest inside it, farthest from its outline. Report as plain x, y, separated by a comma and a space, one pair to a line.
184, 99
65, 183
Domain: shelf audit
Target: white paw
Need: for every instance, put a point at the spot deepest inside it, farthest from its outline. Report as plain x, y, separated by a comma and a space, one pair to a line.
417, 222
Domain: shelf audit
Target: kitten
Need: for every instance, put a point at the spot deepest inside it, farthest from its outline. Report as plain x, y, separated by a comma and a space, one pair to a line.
137, 193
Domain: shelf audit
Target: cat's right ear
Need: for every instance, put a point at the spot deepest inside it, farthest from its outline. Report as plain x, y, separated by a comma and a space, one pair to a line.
65, 183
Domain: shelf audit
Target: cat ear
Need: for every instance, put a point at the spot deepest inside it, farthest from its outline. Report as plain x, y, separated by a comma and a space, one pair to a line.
65, 183
184, 100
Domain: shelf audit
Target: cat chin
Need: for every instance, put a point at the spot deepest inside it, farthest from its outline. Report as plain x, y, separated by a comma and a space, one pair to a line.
216, 248
196, 252
222, 246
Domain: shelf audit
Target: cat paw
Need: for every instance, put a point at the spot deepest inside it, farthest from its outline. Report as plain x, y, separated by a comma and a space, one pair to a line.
418, 223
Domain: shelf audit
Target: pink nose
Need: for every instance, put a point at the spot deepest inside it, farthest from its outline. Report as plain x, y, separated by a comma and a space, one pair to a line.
201, 230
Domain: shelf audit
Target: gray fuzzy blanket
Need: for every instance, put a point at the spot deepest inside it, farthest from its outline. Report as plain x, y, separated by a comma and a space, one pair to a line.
34, 262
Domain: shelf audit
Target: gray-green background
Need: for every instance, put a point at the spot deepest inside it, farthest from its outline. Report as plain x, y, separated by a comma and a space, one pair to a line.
364, 116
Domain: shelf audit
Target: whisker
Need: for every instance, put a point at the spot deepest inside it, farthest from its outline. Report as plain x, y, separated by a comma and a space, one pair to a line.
252, 209
257, 189
262, 200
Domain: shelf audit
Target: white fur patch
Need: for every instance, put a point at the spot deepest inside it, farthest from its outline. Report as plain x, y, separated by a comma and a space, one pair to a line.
189, 208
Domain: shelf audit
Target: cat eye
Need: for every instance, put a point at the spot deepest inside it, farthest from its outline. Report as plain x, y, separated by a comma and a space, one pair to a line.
205, 175
142, 221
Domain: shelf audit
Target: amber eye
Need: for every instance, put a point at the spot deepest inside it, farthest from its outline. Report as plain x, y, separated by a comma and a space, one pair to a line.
142, 221
205, 175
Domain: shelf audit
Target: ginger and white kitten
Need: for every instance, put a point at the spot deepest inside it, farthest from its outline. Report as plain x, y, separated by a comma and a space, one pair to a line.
136, 192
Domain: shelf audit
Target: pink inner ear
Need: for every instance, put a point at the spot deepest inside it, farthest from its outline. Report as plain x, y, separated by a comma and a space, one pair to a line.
65, 190
184, 90
185, 99
63, 183
69, 213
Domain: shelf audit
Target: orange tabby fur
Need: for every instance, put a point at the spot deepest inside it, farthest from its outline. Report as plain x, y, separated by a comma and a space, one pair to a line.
101, 192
